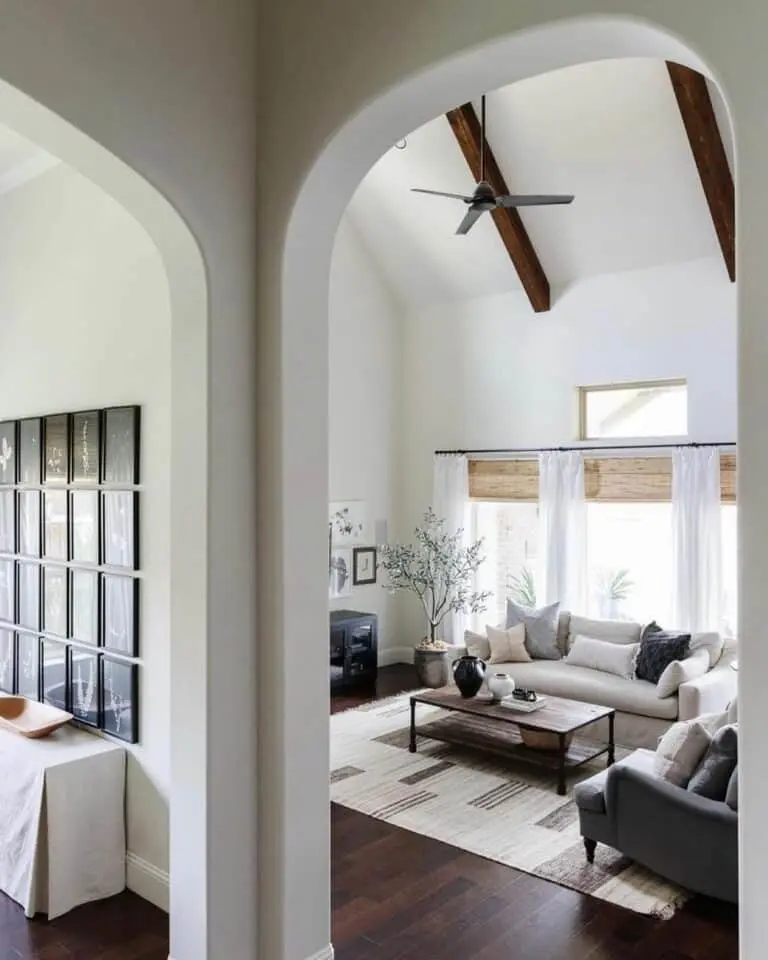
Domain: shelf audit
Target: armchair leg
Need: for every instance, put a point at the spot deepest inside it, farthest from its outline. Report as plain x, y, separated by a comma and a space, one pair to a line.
590, 846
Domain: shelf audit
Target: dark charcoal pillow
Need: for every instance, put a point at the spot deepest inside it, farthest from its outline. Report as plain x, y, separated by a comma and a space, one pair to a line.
658, 648
713, 774
732, 793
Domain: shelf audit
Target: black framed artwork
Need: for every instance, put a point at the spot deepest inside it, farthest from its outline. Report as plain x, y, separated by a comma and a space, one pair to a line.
84, 606
84, 686
86, 446
120, 692
7, 521
8, 452
55, 525
84, 526
7, 661
30, 450
28, 665
54, 673
55, 601
28, 603
363, 566
121, 445
56, 431
28, 510
8, 590
120, 614
120, 528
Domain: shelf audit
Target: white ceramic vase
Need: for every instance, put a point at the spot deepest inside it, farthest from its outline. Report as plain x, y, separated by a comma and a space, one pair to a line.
500, 685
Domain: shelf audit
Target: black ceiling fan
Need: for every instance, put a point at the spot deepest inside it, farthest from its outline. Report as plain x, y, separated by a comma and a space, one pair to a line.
484, 198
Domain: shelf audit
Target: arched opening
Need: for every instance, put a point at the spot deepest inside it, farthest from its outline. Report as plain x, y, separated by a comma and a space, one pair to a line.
292, 744
166, 816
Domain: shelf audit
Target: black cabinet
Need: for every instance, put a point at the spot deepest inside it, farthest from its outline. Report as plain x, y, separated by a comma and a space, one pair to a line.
354, 645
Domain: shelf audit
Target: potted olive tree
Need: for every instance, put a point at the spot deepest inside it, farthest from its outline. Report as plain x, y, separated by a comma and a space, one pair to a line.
440, 571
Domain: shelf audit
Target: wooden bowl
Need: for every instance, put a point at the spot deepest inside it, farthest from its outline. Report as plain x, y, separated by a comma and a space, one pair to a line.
543, 739
30, 718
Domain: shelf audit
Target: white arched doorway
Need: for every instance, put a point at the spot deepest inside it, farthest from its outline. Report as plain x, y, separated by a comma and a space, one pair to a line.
294, 833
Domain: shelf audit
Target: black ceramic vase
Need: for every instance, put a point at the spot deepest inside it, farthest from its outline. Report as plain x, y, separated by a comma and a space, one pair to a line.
469, 673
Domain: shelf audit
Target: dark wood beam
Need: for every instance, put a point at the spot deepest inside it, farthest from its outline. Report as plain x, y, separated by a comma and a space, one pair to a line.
709, 154
466, 129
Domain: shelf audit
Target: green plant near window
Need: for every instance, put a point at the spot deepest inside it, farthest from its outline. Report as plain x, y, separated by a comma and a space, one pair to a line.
439, 570
522, 588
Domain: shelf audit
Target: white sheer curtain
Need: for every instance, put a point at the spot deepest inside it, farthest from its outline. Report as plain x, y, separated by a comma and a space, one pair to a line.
450, 501
563, 530
696, 538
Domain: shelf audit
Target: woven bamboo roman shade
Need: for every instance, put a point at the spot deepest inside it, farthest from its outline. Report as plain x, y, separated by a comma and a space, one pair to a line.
609, 480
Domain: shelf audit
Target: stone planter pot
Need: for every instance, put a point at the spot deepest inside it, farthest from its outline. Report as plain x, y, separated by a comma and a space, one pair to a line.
432, 667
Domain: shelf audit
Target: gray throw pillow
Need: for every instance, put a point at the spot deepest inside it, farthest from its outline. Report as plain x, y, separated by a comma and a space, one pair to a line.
540, 629
732, 793
713, 774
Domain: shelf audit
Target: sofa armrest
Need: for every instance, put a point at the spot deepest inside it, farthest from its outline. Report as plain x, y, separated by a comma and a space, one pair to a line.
711, 693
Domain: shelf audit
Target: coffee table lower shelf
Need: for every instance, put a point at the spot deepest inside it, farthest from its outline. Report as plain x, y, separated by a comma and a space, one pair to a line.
481, 733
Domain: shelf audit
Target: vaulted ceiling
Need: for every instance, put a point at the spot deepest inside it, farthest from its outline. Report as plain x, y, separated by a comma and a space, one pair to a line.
609, 132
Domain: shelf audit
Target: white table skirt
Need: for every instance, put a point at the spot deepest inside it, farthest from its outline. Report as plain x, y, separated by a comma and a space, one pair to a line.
62, 820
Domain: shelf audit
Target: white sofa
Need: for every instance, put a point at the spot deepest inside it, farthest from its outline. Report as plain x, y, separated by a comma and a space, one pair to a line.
641, 715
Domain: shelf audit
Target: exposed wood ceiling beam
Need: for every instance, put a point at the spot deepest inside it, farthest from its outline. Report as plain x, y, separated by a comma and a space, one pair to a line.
466, 129
709, 154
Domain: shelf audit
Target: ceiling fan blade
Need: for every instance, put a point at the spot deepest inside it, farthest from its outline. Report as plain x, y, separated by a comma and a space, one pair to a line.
469, 220
533, 200
440, 193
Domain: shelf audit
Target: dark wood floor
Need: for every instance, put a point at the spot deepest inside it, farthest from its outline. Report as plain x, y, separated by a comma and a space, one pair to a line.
401, 896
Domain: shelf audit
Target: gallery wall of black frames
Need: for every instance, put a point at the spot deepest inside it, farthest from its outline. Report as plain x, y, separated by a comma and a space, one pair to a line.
69, 557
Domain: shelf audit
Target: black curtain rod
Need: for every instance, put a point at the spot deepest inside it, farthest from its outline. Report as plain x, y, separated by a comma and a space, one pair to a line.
616, 446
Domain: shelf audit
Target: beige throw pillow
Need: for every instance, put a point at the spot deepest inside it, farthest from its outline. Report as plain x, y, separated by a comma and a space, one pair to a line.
712, 642
508, 645
680, 751
603, 655
681, 671
477, 645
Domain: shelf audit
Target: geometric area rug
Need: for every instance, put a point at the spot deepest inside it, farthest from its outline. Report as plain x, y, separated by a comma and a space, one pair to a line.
503, 811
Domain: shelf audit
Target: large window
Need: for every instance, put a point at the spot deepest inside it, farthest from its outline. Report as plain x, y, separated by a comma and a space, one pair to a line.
651, 409
510, 531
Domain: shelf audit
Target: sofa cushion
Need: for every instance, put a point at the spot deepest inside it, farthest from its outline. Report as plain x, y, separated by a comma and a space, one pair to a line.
681, 671
713, 643
712, 777
658, 648
561, 679
590, 794
477, 645
615, 658
732, 793
507, 646
680, 751
540, 628
615, 631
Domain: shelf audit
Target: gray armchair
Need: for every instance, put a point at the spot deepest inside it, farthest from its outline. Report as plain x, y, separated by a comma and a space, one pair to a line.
685, 838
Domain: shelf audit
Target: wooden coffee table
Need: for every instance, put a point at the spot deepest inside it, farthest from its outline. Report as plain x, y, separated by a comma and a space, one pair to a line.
482, 724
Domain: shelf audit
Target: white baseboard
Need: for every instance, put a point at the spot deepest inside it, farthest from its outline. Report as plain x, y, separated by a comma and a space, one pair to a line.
390, 655
148, 881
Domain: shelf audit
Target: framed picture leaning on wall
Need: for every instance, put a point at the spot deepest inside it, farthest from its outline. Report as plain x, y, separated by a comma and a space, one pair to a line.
363, 566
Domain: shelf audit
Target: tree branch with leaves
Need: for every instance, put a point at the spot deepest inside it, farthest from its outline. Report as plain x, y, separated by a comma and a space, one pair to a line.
439, 570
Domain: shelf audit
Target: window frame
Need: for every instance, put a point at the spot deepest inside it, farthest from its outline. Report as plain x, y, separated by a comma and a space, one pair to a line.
585, 390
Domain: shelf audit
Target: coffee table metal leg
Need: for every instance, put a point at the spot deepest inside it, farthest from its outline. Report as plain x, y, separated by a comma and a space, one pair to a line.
412, 743
611, 740
561, 752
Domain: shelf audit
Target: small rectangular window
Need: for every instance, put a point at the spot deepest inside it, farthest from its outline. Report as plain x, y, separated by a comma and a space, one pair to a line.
625, 410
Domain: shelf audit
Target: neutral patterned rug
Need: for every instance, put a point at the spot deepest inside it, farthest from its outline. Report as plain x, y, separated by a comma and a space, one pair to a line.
505, 812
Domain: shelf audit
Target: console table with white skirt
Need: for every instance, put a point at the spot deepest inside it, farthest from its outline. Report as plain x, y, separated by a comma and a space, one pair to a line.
62, 820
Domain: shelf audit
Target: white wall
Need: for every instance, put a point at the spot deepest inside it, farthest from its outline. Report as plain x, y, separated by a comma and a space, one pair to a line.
364, 413
84, 323
490, 373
